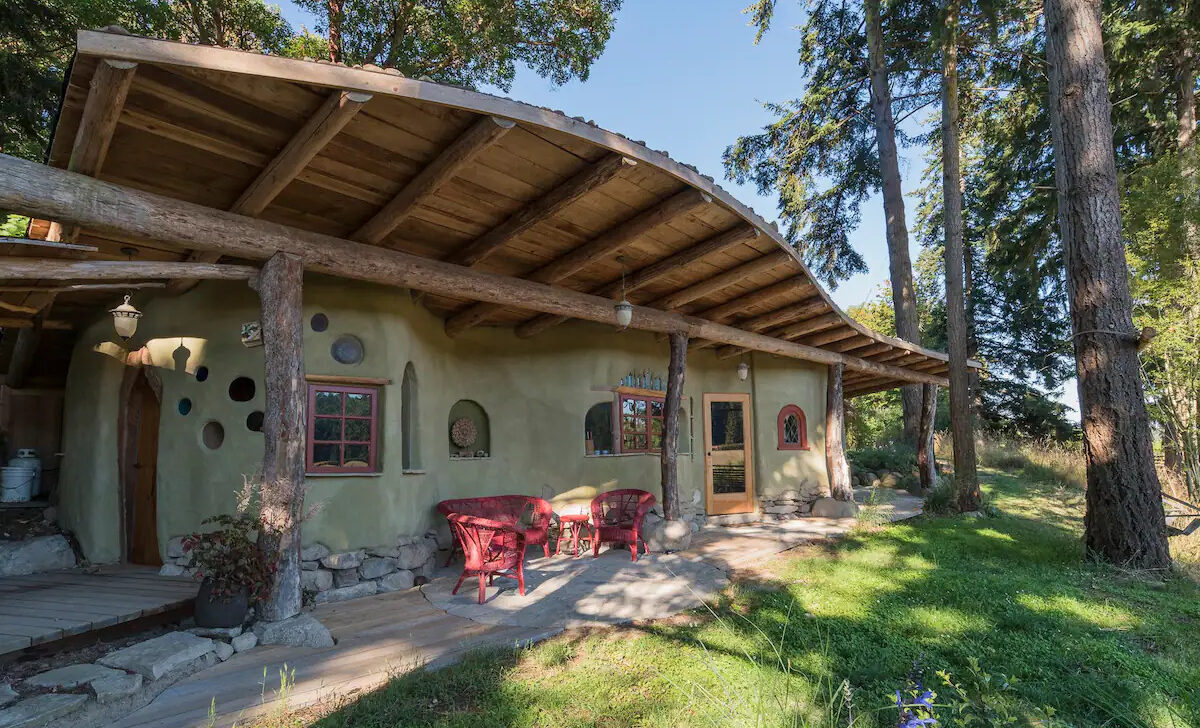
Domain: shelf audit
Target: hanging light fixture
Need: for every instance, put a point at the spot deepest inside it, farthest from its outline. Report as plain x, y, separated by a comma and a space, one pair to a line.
125, 319
743, 371
623, 308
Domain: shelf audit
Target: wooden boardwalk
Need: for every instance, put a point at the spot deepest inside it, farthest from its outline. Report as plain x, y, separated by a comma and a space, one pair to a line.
41, 608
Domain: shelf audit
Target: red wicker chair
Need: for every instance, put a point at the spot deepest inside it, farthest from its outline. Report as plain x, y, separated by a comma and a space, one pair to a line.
492, 548
617, 516
505, 509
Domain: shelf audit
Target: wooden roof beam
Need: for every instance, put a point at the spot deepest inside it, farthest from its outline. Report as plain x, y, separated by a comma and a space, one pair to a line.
541, 209
791, 331
829, 337
763, 263
801, 310
654, 271
23, 269
448, 163
599, 248
864, 347
114, 210
23, 324
721, 313
333, 115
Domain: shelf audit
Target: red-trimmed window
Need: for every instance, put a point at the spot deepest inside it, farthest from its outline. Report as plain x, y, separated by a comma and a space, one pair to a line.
343, 423
641, 423
793, 428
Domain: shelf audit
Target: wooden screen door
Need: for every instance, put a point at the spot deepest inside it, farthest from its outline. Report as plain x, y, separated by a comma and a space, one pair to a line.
728, 460
141, 497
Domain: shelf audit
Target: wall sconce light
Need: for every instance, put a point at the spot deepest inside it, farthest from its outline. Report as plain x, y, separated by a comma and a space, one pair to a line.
125, 319
743, 371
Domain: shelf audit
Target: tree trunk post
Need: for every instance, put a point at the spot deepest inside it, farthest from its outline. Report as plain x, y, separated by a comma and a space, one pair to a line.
904, 298
926, 461
962, 427
835, 450
282, 498
670, 446
1125, 523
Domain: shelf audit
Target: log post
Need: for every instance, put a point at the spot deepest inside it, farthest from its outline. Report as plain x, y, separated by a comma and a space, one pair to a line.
926, 462
835, 451
279, 291
670, 445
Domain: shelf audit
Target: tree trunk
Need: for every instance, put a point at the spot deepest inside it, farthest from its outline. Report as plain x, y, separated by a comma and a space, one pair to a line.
835, 429
670, 445
926, 460
961, 426
904, 299
334, 36
1125, 523
279, 290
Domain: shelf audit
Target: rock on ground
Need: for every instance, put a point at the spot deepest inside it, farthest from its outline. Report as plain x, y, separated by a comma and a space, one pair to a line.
70, 677
224, 651
302, 630
219, 633
374, 568
414, 555
345, 577
47, 553
396, 581
111, 689
349, 560
8, 696
833, 508
361, 589
664, 536
316, 581
244, 642
314, 552
156, 657
41, 710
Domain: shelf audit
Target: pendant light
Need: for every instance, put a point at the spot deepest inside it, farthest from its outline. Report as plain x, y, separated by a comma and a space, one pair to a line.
125, 319
623, 308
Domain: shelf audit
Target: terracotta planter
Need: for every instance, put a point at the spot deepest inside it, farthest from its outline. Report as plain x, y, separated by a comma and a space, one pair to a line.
217, 611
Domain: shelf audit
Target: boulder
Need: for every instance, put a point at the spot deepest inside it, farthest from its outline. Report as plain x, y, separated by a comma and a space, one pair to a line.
8, 696
310, 565
665, 536
111, 689
781, 509
345, 577
361, 589
46, 553
244, 641
384, 552
217, 633
316, 581
347, 560
70, 677
397, 581
314, 552
224, 651
41, 710
414, 555
833, 508
160, 655
302, 630
376, 567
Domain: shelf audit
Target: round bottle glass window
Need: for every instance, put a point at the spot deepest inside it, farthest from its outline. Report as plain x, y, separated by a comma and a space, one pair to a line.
347, 349
319, 322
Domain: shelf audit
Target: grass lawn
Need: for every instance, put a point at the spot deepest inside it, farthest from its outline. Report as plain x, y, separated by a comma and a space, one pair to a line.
1099, 646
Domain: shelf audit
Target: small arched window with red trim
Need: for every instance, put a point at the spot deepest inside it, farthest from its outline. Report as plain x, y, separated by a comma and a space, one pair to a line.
793, 428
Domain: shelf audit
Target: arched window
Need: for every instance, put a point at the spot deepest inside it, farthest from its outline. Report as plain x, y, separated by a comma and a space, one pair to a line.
793, 428
410, 439
598, 429
469, 431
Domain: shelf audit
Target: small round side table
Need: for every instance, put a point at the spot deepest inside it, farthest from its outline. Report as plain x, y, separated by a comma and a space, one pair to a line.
578, 526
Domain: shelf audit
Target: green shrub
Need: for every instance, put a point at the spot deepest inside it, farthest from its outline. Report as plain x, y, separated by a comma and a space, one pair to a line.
941, 498
896, 457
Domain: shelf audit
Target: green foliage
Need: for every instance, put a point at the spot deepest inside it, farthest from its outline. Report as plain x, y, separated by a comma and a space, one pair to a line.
306, 44
14, 226
469, 42
942, 498
893, 457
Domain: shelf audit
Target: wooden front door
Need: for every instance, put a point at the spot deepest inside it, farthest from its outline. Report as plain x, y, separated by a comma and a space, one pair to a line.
728, 457
141, 501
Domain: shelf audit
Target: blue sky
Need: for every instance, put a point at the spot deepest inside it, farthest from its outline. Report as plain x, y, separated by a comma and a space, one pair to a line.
686, 77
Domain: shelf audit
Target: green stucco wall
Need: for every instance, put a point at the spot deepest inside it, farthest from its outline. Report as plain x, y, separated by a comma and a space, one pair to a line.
535, 392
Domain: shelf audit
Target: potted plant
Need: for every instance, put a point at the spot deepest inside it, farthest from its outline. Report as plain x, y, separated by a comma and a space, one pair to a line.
234, 574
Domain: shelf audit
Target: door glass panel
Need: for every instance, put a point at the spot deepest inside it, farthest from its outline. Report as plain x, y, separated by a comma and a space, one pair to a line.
728, 447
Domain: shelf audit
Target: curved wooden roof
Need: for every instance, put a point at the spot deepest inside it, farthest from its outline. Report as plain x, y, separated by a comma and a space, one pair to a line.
453, 175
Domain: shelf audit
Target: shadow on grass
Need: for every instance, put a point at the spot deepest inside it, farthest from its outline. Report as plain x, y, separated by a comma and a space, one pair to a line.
1100, 646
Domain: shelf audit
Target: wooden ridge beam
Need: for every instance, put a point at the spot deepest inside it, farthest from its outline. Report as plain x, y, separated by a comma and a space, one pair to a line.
113, 210
654, 271
541, 209
320, 128
448, 163
23, 269
725, 279
599, 248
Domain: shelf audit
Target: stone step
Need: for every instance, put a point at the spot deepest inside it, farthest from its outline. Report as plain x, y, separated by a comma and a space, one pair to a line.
733, 519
